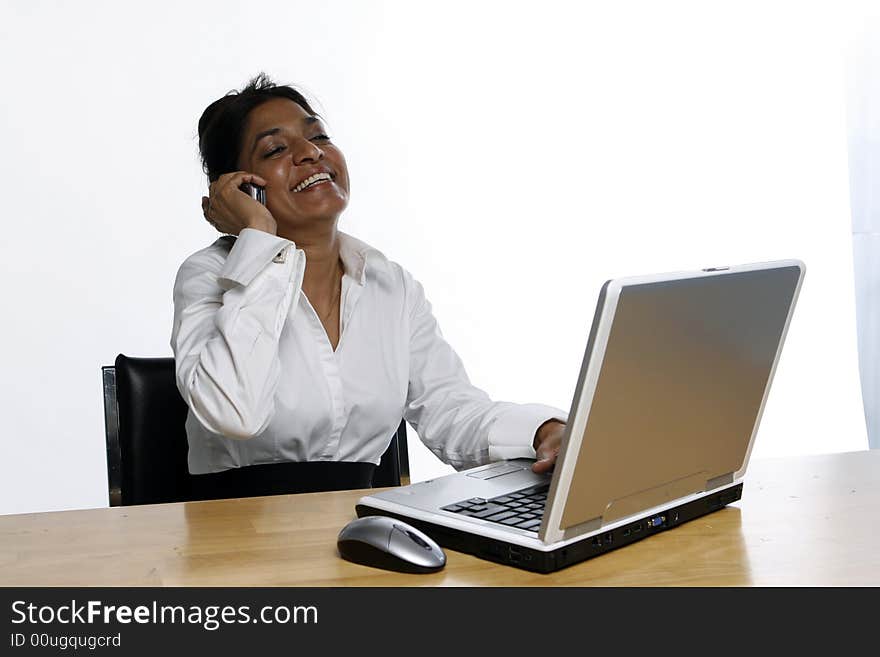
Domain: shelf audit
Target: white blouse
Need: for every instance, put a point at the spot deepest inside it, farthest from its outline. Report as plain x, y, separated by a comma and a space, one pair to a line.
263, 383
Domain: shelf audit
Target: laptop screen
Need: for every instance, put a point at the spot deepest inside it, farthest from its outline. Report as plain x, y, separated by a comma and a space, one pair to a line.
680, 389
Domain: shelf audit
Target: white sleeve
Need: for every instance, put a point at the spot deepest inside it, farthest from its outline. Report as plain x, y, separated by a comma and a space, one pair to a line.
456, 420
228, 316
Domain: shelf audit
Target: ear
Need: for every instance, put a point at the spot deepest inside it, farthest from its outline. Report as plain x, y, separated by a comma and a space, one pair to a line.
206, 202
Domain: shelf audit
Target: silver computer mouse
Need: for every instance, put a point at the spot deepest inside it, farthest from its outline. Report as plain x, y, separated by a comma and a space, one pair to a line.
391, 544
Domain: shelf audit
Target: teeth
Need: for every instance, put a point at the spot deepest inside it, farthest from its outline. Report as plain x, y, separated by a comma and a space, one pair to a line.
311, 180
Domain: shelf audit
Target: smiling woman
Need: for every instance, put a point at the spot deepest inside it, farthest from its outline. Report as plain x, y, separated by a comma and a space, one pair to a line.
294, 341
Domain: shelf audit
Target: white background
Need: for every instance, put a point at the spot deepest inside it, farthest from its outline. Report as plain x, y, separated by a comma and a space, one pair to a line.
513, 156
863, 123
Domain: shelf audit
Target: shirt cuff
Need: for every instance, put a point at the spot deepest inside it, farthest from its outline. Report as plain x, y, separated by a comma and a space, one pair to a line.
252, 251
512, 435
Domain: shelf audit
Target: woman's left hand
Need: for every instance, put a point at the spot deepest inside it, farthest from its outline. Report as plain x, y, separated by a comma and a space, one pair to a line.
548, 440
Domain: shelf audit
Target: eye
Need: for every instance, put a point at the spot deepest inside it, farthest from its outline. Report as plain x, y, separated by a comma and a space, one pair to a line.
321, 137
274, 151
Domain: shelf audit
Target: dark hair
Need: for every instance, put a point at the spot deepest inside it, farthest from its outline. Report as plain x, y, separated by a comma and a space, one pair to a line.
222, 122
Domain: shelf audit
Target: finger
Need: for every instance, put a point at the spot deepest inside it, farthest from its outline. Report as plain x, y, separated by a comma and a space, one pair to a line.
546, 460
237, 178
543, 465
254, 179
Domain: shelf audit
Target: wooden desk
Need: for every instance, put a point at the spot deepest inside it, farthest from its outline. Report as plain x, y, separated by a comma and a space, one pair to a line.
802, 521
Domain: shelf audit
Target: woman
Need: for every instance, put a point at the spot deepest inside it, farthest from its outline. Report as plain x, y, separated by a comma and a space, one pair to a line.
296, 342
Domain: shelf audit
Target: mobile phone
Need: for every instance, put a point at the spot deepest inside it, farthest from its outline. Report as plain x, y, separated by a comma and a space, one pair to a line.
255, 192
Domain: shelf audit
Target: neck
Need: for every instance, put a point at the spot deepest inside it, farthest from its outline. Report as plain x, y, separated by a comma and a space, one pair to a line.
323, 266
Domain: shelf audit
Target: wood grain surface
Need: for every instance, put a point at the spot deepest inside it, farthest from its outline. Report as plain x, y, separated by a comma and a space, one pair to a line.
802, 521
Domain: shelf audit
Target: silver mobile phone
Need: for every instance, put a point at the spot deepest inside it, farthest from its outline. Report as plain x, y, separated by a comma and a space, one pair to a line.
255, 192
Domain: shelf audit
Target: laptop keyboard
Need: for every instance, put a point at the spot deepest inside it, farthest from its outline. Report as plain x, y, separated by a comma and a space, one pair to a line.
522, 509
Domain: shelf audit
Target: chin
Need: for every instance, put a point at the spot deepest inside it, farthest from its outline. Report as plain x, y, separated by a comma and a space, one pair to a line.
327, 211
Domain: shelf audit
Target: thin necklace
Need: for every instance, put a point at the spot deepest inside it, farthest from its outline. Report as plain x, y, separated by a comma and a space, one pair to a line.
334, 302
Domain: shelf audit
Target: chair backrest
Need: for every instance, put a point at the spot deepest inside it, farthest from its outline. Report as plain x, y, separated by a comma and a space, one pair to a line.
147, 447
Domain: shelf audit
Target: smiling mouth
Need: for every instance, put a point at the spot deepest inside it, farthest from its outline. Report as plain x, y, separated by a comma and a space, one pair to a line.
313, 180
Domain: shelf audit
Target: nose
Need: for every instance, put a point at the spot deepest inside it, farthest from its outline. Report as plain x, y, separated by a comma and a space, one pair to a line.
306, 151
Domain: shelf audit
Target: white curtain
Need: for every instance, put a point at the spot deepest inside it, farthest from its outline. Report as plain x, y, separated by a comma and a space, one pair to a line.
863, 123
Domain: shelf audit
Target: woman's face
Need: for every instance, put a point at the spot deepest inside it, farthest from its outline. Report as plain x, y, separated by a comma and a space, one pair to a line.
306, 177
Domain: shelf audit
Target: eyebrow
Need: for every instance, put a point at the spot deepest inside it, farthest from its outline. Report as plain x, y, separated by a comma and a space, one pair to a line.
308, 120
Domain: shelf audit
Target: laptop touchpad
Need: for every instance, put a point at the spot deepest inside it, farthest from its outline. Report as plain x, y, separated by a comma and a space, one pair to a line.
500, 470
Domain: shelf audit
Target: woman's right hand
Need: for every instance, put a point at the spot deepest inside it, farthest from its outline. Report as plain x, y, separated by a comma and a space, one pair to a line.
230, 210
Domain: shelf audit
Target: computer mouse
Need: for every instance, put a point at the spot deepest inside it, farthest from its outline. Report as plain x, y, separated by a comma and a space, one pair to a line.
383, 542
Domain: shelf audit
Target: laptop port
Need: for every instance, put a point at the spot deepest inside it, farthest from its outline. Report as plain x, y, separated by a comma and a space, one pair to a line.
514, 555
609, 537
597, 541
637, 528
627, 532
657, 521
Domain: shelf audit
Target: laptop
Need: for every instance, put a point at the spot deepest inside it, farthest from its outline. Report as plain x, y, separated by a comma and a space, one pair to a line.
673, 383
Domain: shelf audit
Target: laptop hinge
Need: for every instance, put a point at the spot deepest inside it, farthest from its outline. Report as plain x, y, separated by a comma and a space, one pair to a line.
582, 528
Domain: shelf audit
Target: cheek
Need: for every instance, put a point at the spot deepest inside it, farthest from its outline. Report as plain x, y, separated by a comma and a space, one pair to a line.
343, 182
337, 161
276, 172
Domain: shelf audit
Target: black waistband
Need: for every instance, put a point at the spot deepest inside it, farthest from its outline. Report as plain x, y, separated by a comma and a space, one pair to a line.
283, 478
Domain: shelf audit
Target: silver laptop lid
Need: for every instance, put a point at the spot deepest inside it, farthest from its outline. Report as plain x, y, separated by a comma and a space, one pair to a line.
671, 391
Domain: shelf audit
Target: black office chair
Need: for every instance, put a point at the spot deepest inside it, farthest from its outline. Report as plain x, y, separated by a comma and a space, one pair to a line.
145, 419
